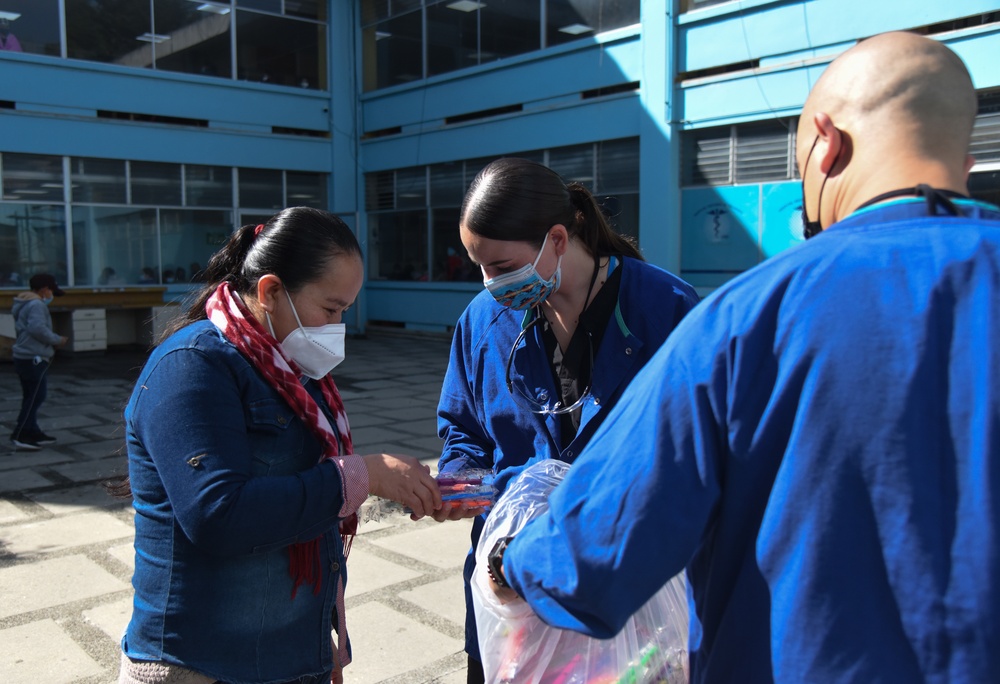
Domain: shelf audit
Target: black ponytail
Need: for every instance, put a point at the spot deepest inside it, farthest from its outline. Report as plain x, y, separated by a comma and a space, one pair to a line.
518, 199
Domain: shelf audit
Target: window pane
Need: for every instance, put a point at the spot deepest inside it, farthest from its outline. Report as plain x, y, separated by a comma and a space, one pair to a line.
265, 5
575, 163
392, 52
121, 33
156, 183
309, 9
618, 165
509, 27
762, 152
452, 38
32, 240
375, 10
380, 190
289, 52
571, 19
451, 262
261, 189
706, 156
398, 246
188, 238
32, 177
199, 37
411, 187
985, 186
447, 187
208, 186
306, 190
114, 246
35, 29
100, 181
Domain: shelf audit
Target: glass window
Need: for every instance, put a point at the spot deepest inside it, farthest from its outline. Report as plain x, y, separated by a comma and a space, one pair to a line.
199, 38
376, 10
398, 246
32, 240
261, 189
208, 186
451, 262
392, 52
568, 20
156, 183
97, 181
707, 156
32, 177
447, 184
310, 9
618, 165
452, 36
188, 238
30, 26
509, 27
763, 152
288, 52
411, 187
306, 189
985, 186
574, 163
115, 246
118, 33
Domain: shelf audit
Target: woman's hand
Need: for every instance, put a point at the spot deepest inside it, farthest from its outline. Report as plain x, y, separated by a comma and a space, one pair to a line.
405, 480
459, 512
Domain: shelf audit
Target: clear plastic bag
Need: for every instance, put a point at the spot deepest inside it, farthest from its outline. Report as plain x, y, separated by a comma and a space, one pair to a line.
517, 647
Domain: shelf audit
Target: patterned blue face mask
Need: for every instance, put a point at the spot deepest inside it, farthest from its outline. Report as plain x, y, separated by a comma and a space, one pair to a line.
524, 288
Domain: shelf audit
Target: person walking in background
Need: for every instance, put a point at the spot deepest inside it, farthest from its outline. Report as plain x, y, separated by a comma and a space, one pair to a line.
570, 313
242, 470
33, 351
818, 443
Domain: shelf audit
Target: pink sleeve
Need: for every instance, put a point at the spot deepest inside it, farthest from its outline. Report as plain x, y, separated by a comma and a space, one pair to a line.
354, 476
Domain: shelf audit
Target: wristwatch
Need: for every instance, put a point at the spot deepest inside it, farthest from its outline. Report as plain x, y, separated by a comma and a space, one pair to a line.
494, 562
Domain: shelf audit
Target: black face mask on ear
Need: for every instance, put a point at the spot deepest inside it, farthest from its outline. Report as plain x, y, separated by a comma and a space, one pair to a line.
813, 228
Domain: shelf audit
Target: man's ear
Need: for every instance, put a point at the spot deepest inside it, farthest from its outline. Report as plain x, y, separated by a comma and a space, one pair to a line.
269, 288
831, 142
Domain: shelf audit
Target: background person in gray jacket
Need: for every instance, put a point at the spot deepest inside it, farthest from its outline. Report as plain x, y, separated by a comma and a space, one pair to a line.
33, 351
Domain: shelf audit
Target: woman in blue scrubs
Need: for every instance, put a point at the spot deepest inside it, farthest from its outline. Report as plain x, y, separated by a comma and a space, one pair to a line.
571, 312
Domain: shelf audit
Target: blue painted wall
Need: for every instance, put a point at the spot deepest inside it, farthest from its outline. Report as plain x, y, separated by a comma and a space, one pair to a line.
708, 234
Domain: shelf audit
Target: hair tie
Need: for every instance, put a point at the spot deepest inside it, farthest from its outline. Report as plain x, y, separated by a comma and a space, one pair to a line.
256, 231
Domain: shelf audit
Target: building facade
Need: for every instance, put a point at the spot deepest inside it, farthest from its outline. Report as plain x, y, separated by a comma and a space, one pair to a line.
135, 134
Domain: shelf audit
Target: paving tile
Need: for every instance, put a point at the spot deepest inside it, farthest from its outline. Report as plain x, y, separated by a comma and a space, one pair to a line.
441, 544
374, 436
367, 572
360, 419
42, 652
124, 553
64, 532
445, 598
70, 421
111, 618
370, 385
10, 513
105, 468
425, 427
31, 459
20, 480
387, 643
77, 499
52, 582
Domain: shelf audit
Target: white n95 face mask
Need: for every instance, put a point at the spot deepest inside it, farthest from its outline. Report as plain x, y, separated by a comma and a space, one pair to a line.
316, 351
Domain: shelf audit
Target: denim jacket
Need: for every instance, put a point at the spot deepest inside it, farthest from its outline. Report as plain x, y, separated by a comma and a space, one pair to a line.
224, 479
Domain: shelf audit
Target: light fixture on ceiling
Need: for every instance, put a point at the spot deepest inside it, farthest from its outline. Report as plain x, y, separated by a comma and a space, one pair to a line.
465, 5
213, 9
148, 37
576, 29
379, 35
9, 16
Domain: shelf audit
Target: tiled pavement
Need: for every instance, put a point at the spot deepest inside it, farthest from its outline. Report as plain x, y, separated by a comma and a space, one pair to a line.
66, 546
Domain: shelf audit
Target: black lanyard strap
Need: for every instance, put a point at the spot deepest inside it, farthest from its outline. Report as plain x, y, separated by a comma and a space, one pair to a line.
935, 198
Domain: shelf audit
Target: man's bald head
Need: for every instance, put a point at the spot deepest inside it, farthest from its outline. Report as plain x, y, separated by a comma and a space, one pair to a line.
903, 105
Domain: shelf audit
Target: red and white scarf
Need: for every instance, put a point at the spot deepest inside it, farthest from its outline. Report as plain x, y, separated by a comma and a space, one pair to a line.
232, 317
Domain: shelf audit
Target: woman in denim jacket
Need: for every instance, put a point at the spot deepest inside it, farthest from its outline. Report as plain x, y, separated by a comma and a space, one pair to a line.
242, 471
